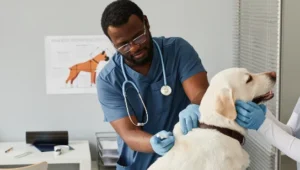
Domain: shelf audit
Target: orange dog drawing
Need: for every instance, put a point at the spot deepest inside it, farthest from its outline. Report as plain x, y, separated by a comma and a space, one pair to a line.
88, 66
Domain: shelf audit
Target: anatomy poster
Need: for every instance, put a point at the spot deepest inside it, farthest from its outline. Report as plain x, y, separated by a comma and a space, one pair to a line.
73, 62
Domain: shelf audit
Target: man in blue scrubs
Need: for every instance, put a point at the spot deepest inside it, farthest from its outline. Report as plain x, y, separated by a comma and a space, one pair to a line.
129, 31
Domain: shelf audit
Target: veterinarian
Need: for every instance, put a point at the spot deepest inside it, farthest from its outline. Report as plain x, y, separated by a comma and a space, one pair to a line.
167, 73
284, 137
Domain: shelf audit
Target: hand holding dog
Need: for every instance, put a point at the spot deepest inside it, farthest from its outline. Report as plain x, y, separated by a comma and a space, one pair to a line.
250, 115
162, 142
188, 118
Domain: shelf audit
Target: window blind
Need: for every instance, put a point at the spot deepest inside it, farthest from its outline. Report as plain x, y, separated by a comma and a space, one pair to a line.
257, 48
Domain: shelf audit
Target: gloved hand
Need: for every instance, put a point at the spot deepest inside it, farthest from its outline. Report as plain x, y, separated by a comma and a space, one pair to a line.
250, 115
188, 118
162, 145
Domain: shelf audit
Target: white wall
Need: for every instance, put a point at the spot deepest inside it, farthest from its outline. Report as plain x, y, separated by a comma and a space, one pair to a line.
290, 59
206, 24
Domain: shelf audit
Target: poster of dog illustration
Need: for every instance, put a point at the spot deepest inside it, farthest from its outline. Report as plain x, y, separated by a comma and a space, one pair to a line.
73, 62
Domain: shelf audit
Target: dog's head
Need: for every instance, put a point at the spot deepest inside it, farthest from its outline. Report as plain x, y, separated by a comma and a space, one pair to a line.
236, 84
101, 57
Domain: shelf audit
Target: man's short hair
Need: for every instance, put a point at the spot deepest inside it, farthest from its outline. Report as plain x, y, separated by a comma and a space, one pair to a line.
118, 12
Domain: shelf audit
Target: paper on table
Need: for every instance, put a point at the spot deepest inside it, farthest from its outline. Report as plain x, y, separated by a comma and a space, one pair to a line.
21, 151
109, 145
109, 162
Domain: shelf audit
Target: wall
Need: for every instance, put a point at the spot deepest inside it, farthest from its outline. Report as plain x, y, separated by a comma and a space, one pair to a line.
206, 24
290, 59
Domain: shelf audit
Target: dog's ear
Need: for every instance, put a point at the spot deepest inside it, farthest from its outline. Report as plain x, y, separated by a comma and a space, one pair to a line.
103, 52
225, 103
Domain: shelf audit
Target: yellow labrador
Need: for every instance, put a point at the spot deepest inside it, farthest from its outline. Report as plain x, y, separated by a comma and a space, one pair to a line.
217, 144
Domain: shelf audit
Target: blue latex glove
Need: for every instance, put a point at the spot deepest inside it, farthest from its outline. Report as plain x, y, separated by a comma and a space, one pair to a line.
162, 146
250, 115
188, 118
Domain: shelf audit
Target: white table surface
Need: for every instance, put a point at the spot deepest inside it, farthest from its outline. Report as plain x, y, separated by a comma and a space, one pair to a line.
80, 155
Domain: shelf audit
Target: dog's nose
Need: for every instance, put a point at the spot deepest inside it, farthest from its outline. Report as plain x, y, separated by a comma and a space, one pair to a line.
106, 58
272, 75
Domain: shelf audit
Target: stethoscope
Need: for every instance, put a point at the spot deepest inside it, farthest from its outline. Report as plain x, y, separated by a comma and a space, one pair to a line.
165, 89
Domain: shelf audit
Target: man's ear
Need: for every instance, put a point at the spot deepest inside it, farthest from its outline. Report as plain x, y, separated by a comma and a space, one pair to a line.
225, 104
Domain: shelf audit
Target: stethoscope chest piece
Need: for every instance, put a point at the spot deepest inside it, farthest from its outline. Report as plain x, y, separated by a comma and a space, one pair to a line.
166, 90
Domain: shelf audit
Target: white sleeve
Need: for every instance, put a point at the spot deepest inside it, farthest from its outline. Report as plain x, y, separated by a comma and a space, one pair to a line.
285, 142
294, 121
284, 127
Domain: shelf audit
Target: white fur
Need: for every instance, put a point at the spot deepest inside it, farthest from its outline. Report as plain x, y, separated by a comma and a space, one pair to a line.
208, 149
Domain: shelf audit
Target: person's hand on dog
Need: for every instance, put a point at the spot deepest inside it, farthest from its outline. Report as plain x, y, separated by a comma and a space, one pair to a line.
162, 142
189, 118
250, 115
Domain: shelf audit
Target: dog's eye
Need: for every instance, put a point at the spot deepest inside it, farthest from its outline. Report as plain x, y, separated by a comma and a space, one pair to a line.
249, 79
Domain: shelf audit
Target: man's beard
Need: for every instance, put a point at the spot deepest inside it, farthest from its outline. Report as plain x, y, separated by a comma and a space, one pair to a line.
145, 59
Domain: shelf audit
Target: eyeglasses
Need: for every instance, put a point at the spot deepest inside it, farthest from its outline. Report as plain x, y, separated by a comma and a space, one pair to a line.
138, 41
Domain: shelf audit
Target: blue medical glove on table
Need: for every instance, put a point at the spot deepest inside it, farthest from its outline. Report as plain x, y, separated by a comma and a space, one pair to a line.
162, 142
189, 118
250, 115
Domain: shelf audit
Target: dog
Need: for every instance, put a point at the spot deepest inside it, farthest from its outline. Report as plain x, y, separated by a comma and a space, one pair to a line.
87, 66
217, 143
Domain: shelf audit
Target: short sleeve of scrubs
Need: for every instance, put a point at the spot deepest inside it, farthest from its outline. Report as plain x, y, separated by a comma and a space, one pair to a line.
112, 101
189, 61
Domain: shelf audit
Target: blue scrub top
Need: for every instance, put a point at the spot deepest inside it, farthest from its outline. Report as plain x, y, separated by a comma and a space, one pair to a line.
181, 62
